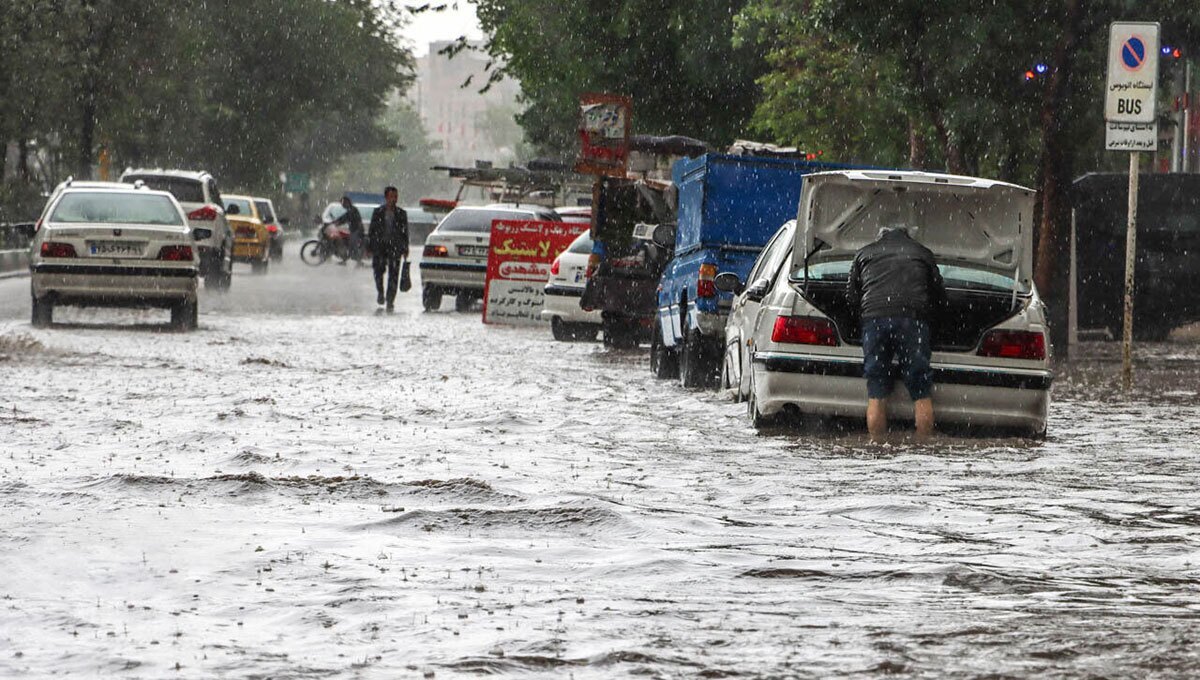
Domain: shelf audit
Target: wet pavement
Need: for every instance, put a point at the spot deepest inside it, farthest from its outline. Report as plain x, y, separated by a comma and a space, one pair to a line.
303, 488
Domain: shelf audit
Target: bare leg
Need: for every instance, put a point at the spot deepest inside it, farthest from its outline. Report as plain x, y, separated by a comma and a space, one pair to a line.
876, 419
924, 412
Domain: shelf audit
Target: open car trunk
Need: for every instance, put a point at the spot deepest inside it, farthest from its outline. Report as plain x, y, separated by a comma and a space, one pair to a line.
968, 315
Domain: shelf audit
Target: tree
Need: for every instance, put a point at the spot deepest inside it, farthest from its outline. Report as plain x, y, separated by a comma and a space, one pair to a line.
676, 59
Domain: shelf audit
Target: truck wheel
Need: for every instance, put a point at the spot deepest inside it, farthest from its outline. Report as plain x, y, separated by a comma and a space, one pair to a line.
560, 330
620, 333
696, 367
43, 312
185, 316
431, 298
664, 362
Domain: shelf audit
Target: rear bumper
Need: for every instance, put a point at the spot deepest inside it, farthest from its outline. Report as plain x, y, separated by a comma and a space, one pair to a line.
563, 302
133, 285
966, 395
250, 251
454, 275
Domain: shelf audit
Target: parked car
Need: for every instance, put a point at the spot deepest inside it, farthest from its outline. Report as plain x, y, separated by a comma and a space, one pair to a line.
454, 261
111, 244
421, 223
1168, 252
197, 192
579, 214
270, 220
793, 343
728, 208
251, 239
568, 277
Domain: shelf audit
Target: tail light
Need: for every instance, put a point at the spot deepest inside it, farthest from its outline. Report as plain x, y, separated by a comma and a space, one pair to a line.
554, 268
593, 264
272, 228
52, 249
204, 214
704, 286
1013, 345
175, 253
804, 330
436, 251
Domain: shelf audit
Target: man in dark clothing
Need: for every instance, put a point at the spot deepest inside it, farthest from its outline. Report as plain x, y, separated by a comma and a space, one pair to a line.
896, 286
388, 239
354, 218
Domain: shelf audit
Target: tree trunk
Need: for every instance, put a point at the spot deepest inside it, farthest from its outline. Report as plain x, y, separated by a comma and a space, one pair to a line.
1057, 166
917, 151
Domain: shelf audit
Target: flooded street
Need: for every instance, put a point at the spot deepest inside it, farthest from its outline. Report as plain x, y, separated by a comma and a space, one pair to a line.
303, 488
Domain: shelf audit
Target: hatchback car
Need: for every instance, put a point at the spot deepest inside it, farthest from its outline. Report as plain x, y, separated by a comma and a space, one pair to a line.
197, 192
251, 238
114, 245
564, 289
793, 343
454, 261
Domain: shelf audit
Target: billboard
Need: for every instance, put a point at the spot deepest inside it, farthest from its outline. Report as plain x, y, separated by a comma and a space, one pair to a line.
604, 125
519, 259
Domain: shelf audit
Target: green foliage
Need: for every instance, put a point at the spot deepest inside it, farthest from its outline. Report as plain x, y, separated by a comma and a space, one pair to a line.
675, 58
243, 89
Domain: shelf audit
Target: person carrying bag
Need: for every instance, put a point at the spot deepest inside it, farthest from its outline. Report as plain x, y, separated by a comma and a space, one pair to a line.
388, 238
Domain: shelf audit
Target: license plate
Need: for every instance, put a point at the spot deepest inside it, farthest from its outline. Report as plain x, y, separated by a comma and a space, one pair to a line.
473, 251
115, 248
579, 276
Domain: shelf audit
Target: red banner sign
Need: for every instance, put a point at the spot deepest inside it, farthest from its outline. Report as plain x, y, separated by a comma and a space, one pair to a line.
604, 124
519, 259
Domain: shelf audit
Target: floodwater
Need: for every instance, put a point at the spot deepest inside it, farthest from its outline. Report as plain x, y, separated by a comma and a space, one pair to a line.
303, 488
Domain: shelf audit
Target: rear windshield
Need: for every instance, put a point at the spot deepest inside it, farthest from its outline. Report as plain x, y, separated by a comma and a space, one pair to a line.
954, 276
479, 221
184, 190
264, 211
116, 208
243, 207
581, 245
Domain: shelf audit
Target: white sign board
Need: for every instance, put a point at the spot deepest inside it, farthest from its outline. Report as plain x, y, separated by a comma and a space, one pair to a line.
1130, 136
1129, 96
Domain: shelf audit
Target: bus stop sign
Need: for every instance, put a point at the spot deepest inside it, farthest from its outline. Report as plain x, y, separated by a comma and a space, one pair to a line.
1129, 96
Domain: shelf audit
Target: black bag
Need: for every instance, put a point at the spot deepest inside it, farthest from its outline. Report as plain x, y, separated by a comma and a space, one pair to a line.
405, 278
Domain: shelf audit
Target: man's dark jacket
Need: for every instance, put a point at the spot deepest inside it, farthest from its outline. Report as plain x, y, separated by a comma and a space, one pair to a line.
395, 241
896, 276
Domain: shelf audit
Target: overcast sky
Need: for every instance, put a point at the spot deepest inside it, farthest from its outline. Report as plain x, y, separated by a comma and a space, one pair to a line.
456, 20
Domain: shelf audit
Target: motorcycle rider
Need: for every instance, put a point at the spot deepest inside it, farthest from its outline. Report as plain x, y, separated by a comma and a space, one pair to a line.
354, 218
388, 239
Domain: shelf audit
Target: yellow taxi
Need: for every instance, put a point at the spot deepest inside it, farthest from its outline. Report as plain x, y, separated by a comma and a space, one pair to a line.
251, 239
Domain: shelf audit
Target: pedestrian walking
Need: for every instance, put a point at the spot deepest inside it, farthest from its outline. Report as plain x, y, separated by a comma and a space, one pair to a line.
897, 289
388, 240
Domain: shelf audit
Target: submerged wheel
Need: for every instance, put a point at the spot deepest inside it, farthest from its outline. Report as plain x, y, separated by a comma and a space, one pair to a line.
431, 298
664, 362
312, 253
185, 316
462, 302
259, 267
757, 419
696, 367
43, 312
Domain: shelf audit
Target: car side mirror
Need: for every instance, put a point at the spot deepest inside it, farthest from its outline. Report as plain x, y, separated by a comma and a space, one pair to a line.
728, 282
758, 290
232, 210
200, 233
664, 236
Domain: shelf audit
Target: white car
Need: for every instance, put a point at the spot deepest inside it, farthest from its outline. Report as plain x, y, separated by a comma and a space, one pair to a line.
568, 278
197, 192
793, 344
115, 245
454, 261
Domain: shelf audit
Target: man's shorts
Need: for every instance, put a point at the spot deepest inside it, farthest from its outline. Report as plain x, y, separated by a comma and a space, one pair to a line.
905, 340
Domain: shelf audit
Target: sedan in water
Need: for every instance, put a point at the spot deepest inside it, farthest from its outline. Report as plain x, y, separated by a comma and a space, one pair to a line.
110, 244
794, 345
564, 290
251, 238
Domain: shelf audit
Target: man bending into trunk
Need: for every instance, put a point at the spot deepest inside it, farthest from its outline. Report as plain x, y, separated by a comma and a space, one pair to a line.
896, 286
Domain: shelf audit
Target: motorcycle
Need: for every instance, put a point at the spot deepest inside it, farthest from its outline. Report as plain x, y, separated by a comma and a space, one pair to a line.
333, 241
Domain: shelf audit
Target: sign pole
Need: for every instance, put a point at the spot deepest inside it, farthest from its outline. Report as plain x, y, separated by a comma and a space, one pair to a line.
1130, 260
1073, 297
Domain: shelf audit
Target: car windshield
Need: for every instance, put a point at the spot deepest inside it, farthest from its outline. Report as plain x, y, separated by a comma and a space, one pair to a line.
955, 276
243, 207
116, 208
479, 221
264, 209
581, 245
184, 190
